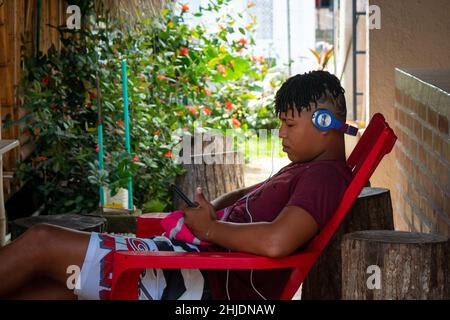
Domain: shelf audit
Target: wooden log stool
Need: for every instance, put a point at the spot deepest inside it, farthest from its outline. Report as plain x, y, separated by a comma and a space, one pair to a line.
384, 264
372, 210
72, 221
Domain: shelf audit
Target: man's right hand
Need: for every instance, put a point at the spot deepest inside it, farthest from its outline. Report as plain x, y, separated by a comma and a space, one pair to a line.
182, 206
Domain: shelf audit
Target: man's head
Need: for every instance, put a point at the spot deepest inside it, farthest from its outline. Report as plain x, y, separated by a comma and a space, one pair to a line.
296, 101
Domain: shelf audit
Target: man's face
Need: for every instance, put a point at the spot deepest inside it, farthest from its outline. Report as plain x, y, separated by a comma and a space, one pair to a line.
301, 140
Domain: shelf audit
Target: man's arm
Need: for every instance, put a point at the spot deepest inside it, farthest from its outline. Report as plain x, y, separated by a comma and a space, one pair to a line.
229, 198
226, 199
293, 227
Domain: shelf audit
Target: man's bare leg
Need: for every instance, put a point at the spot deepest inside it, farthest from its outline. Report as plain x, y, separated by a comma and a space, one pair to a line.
43, 289
43, 251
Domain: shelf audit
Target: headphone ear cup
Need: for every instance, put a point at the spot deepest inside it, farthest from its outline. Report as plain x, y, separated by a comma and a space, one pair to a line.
323, 120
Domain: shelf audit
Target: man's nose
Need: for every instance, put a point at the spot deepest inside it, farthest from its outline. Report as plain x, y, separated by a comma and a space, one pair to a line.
282, 131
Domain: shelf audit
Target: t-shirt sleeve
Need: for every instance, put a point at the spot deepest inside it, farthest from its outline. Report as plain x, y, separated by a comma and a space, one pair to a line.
319, 191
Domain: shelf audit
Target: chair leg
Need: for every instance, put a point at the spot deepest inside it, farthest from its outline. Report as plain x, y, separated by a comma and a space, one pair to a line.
125, 284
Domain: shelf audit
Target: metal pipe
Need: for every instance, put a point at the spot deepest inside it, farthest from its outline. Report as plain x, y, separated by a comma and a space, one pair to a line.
288, 2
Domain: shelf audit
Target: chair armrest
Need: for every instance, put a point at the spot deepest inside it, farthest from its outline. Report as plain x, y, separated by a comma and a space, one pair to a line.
206, 260
149, 224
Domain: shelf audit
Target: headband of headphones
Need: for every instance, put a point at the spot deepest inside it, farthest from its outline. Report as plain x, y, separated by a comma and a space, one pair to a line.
324, 120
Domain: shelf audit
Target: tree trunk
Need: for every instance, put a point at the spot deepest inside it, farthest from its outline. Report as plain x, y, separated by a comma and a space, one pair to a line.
216, 172
395, 265
372, 210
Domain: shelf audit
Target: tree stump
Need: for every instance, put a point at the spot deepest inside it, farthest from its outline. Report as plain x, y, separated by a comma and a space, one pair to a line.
372, 210
395, 265
72, 221
216, 171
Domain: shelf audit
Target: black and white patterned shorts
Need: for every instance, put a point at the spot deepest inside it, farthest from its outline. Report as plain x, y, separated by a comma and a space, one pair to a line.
95, 279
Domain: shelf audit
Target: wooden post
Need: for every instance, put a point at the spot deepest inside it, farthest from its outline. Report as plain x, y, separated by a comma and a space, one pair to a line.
372, 210
395, 265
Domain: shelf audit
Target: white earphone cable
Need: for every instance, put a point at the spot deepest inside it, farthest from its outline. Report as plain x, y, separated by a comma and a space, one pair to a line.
251, 220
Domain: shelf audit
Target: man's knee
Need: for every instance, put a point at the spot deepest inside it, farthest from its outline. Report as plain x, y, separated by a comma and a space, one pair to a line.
40, 234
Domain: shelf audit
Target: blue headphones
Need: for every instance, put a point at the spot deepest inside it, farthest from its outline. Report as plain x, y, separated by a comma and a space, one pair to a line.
324, 120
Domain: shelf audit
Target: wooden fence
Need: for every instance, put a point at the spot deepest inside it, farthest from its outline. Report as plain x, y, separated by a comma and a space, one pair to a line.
18, 36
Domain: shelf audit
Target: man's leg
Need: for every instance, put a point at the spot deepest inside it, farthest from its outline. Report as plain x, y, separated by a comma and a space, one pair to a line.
43, 289
43, 251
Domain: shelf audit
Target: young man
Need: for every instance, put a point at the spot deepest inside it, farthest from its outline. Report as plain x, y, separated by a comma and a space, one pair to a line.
273, 218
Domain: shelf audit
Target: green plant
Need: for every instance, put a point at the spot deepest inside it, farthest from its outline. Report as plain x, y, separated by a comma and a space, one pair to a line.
323, 57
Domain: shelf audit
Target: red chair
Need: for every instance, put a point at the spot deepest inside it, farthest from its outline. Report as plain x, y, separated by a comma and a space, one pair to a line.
377, 141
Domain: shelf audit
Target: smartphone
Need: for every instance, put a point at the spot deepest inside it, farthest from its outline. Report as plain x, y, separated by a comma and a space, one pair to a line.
183, 196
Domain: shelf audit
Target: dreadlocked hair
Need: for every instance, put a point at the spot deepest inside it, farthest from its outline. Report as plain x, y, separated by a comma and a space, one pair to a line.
301, 90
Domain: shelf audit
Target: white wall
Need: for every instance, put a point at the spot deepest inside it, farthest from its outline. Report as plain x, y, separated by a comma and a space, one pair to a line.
303, 34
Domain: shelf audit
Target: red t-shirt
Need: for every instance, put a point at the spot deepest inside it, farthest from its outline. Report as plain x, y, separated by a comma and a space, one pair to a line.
316, 186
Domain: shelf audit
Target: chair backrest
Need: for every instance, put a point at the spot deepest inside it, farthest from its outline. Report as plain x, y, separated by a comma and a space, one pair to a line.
377, 140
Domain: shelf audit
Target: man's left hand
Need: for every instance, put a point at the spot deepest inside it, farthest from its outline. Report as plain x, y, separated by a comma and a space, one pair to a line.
200, 219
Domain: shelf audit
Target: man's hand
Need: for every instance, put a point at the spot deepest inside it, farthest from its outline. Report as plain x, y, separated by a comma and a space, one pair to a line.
201, 219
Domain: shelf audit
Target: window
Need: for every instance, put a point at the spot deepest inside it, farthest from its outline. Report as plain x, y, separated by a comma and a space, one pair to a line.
263, 10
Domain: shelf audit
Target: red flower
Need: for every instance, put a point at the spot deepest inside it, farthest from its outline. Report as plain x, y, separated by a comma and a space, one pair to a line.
135, 158
184, 8
97, 148
161, 77
120, 123
243, 41
221, 68
258, 59
207, 111
229, 105
41, 158
192, 109
236, 123
184, 51
44, 80
92, 94
168, 154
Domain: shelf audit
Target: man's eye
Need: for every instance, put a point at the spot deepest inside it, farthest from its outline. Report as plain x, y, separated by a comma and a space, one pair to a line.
290, 125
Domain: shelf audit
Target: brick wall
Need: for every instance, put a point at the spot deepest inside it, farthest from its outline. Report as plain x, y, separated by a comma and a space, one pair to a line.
422, 114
